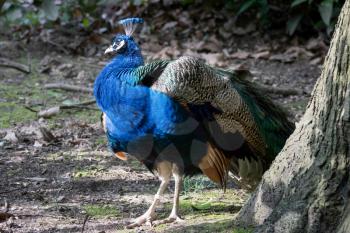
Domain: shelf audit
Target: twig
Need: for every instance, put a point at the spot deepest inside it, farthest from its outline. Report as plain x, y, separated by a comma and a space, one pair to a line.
47, 135
67, 87
6, 206
280, 90
85, 220
11, 64
30, 109
78, 104
10, 191
57, 45
46, 113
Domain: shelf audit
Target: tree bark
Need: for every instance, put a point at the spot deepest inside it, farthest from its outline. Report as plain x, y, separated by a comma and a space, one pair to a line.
307, 188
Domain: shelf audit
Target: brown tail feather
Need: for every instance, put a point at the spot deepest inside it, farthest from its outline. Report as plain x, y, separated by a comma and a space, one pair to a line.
215, 165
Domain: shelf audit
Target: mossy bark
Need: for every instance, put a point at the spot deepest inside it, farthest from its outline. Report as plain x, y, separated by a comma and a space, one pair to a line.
307, 188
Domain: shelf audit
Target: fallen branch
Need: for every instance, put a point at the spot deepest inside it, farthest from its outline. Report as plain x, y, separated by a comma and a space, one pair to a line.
10, 191
67, 87
46, 113
60, 47
11, 64
81, 104
280, 90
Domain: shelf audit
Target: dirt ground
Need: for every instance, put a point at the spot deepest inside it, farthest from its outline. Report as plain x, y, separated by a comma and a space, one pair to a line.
67, 181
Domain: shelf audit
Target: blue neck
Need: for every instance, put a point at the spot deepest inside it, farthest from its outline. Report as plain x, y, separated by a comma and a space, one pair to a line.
127, 60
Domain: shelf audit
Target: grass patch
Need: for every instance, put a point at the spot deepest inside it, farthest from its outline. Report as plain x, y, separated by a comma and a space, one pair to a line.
135, 164
100, 141
243, 230
196, 184
12, 113
227, 225
88, 172
89, 116
101, 211
202, 206
298, 105
29, 90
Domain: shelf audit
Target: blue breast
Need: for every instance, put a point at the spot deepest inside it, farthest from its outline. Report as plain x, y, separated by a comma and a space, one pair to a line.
135, 111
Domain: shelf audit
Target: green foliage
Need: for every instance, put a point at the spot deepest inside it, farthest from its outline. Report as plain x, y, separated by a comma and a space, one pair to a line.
321, 15
196, 184
28, 13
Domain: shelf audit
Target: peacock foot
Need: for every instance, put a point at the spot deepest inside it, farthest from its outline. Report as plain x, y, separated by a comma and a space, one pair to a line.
143, 219
171, 219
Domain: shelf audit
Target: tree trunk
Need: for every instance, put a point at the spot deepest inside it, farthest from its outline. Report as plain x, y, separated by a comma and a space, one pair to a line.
307, 188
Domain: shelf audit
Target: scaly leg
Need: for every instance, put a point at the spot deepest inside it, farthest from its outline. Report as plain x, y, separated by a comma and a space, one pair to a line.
174, 215
164, 175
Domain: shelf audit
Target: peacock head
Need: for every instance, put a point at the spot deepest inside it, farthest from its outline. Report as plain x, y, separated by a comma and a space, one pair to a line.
124, 43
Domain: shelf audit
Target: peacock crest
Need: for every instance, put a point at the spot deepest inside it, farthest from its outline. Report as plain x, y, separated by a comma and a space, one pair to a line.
130, 25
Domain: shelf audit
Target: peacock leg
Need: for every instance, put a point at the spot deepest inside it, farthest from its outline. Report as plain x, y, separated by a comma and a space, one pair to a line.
174, 215
164, 175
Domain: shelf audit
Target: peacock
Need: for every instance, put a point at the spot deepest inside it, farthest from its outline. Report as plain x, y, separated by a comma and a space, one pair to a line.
183, 117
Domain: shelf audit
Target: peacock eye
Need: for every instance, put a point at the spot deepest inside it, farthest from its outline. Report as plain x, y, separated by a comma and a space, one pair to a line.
118, 44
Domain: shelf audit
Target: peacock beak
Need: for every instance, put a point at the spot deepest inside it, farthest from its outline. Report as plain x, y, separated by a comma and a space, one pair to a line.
109, 49
115, 47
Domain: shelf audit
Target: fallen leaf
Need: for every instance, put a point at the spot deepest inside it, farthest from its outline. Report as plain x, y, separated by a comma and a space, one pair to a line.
37, 144
82, 75
47, 135
169, 25
5, 216
261, 55
213, 58
316, 61
316, 45
240, 55
282, 58
240, 31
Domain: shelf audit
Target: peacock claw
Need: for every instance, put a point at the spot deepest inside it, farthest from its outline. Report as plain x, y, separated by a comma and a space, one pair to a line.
144, 219
170, 219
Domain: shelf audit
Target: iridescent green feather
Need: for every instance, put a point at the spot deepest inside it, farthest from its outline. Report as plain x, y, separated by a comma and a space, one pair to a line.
270, 118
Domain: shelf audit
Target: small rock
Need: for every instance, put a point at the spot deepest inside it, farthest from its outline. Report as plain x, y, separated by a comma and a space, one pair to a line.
65, 66
37, 179
61, 198
11, 137
82, 75
37, 144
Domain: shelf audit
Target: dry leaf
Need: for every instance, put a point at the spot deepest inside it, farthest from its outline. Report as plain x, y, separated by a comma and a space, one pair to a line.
213, 58
261, 55
240, 55
5, 216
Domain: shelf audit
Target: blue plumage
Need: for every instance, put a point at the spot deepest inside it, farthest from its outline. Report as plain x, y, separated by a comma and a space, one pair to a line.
133, 111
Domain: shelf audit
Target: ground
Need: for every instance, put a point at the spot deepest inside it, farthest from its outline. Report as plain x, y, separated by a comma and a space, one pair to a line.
70, 181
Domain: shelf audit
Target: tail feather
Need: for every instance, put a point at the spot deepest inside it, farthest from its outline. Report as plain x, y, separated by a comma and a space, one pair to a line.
272, 121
